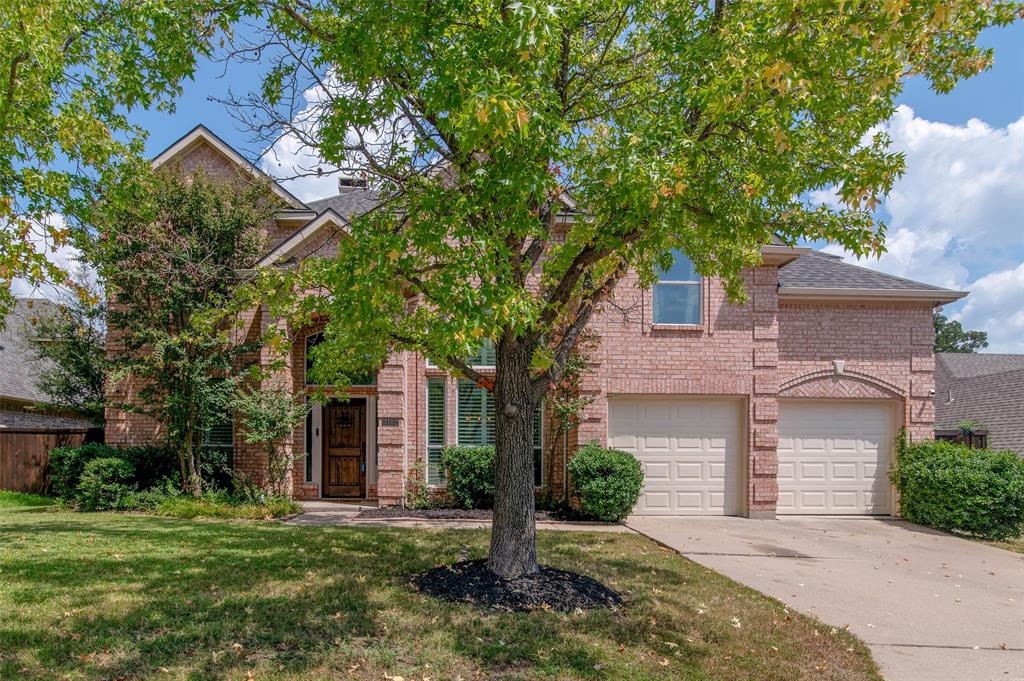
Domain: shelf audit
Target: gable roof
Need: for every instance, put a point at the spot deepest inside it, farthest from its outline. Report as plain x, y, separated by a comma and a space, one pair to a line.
19, 367
327, 218
984, 388
818, 275
201, 134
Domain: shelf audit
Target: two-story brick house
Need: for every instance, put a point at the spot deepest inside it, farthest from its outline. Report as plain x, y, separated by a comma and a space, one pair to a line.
786, 404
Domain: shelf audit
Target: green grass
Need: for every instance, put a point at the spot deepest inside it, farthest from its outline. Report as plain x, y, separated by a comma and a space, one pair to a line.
108, 596
16, 499
187, 507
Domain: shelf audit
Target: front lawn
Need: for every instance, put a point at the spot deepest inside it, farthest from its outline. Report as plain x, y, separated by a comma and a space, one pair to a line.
107, 596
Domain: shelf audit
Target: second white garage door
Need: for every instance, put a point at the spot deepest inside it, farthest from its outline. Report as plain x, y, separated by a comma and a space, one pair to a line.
690, 450
834, 456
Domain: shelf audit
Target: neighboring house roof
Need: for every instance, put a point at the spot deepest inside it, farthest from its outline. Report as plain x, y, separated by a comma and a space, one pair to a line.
985, 388
817, 275
19, 366
18, 420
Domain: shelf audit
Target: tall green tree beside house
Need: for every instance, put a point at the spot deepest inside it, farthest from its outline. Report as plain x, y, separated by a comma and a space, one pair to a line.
953, 337
168, 259
72, 344
653, 124
71, 71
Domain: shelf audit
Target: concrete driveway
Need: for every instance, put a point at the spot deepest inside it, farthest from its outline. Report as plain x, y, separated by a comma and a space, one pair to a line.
930, 607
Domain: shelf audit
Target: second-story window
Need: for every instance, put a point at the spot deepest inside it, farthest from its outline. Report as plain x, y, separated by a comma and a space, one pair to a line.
677, 295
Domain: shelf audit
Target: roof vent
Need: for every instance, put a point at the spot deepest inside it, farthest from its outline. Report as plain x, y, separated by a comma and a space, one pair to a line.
351, 178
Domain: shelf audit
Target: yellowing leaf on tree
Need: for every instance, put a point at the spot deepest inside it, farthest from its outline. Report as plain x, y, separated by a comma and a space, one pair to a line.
654, 202
522, 116
781, 140
477, 332
394, 255
482, 114
680, 188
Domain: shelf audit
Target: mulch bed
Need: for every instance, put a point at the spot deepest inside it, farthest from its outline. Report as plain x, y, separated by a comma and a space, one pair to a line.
549, 589
435, 513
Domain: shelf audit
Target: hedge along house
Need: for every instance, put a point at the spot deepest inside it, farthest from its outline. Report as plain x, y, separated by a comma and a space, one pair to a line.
788, 403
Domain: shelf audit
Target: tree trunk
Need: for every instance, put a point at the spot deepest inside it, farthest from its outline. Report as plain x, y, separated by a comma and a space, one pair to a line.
514, 532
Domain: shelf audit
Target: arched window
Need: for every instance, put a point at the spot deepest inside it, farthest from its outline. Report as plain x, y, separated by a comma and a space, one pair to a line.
677, 295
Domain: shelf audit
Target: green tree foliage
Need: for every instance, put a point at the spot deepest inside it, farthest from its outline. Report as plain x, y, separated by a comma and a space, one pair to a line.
71, 71
654, 124
951, 336
268, 416
72, 343
169, 259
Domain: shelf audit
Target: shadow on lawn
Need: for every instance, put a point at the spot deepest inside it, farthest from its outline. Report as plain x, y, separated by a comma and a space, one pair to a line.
185, 593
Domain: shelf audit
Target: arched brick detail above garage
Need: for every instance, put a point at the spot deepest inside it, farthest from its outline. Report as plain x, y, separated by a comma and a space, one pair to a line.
850, 384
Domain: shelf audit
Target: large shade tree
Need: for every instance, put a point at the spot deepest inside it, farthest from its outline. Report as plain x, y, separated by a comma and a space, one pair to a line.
653, 124
71, 74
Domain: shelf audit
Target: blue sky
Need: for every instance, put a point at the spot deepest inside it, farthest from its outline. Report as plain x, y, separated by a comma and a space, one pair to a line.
956, 219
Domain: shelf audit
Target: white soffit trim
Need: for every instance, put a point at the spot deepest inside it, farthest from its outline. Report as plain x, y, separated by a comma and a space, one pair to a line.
328, 217
781, 255
201, 133
800, 294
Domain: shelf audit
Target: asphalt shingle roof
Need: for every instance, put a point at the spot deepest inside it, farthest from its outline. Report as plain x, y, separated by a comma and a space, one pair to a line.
18, 364
348, 203
822, 270
984, 388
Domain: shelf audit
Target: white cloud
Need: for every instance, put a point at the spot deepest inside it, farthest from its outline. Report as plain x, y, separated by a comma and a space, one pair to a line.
295, 159
66, 257
957, 217
996, 305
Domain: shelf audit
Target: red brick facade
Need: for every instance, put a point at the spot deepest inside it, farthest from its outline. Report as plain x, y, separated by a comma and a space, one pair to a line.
758, 353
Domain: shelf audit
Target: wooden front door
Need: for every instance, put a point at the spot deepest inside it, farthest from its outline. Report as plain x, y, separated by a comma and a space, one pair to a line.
344, 455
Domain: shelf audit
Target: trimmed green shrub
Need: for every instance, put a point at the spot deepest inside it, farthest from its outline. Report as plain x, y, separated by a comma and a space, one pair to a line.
952, 487
105, 485
469, 473
606, 481
151, 465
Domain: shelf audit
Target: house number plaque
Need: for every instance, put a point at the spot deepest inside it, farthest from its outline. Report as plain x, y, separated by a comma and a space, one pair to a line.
389, 421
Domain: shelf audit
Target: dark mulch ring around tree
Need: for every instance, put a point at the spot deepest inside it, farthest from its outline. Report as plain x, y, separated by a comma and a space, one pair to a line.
470, 581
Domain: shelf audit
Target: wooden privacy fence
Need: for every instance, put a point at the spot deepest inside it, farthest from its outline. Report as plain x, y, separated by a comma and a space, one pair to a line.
25, 455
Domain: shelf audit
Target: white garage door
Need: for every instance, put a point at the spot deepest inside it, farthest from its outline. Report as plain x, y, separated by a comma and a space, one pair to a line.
834, 457
690, 450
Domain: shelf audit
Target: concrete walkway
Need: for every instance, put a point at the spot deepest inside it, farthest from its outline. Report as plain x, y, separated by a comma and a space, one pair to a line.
332, 513
931, 607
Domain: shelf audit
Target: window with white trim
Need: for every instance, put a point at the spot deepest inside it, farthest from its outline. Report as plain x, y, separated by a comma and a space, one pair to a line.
309, 443
435, 430
677, 295
484, 358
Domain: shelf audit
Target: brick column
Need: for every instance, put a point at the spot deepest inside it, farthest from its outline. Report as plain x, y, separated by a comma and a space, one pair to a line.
920, 403
763, 415
392, 425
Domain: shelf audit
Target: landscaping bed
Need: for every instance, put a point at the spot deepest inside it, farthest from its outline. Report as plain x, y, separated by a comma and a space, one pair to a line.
436, 513
470, 581
107, 596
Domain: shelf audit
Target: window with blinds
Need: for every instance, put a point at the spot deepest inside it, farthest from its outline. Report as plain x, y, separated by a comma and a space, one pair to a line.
435, 430
476, 423
484, 358
220, 440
